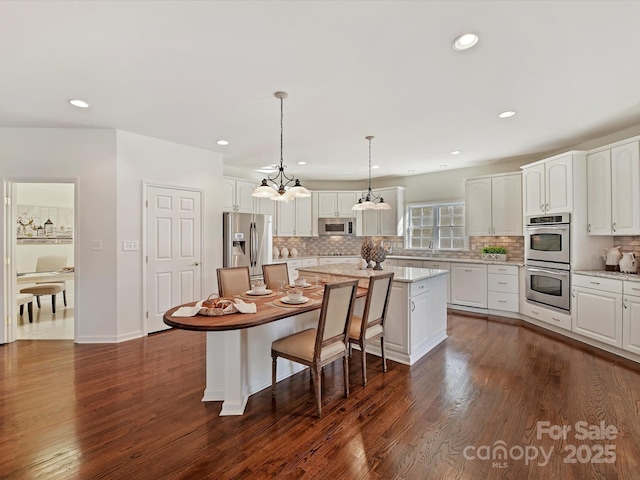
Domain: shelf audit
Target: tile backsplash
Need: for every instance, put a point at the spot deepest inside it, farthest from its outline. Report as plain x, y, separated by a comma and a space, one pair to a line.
314, 246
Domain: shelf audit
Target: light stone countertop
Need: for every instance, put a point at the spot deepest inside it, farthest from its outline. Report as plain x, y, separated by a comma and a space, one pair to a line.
402, 274
453, 260
631, 277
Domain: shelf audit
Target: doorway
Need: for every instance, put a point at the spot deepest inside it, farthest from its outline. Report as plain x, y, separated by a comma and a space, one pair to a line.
42, 230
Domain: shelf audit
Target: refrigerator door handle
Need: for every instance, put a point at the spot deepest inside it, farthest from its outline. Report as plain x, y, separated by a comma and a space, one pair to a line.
253, 238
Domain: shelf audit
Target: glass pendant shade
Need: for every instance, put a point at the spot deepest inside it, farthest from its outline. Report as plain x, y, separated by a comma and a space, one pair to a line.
264, 191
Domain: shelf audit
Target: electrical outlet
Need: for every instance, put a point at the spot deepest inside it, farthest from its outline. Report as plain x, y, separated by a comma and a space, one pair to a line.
130, 245
95, 245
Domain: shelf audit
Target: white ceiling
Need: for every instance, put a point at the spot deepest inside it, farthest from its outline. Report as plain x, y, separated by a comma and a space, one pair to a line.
195, 72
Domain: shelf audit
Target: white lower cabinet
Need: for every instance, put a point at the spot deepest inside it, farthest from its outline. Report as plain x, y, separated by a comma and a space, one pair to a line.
403, 262
503, 288
597, 308
631, 317
547, 315
469, 284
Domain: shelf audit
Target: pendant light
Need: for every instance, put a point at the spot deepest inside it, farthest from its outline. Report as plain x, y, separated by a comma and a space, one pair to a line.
280, 190
371, 201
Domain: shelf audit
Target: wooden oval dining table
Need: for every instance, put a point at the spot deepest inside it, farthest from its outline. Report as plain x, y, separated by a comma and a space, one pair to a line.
238, 345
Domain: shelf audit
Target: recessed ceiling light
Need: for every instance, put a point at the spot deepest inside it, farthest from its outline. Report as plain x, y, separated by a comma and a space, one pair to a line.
302, 163
507, 114
465, 41
222, 142
444, 166
79, 103
375, 166
456, 152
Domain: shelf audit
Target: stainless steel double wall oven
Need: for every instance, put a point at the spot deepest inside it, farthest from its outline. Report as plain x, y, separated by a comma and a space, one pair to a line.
548, 260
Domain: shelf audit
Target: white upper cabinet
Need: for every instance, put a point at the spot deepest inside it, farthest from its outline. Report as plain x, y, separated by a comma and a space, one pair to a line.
493, 205
385, 222
613, 195
547, 187
236, 195
336, 204
294, 218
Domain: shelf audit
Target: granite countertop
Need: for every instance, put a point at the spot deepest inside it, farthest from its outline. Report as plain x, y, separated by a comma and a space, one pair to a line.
402, 274
631, 277
454, 259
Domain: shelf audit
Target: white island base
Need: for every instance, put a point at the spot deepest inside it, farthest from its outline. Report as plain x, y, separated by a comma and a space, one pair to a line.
417, 317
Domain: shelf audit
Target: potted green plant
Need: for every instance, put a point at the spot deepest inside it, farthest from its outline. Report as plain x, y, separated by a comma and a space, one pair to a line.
494, 253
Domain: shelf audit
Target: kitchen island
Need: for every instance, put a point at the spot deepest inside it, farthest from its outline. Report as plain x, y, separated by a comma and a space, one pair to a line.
417, 317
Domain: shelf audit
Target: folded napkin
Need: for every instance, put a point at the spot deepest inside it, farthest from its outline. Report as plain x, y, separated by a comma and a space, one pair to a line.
238, 306
245, 307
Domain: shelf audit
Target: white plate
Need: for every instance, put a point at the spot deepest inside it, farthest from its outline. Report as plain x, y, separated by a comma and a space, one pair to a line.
251, 292
294, 302
306, 285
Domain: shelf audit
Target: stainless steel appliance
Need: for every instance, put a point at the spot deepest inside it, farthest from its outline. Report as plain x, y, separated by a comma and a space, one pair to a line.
336, 226
547, 248
548, 239
549, 286
247, 241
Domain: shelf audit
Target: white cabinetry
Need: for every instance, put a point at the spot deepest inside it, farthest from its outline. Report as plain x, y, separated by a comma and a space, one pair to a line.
547, 315
336, 204
294, 218
236, 195
631, 317
337, 259
493, 205
503, 287
597, 308
613, 196
469, 284
385, 222
547, 186
266, 206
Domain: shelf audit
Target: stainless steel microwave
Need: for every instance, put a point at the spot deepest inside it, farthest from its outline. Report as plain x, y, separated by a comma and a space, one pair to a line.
336, 226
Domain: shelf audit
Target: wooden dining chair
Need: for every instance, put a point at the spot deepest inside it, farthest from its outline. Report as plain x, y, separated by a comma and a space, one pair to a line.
275, 273
371, 324
317, 347
49, 263
233, 281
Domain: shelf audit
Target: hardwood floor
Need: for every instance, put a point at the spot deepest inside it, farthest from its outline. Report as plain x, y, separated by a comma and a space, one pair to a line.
133, 411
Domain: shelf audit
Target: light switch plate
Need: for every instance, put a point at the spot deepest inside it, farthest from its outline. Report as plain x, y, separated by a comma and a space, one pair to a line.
96, 245
130, 245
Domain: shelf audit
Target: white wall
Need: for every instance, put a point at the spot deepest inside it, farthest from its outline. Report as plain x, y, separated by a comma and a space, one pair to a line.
143, 159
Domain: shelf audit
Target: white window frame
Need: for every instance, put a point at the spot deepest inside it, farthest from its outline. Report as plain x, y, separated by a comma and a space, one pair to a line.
434, 243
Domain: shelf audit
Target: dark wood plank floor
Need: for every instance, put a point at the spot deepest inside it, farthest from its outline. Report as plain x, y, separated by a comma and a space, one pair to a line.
133, 411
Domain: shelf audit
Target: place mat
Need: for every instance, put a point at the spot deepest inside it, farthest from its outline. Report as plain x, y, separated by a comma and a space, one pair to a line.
278, 303
256, 297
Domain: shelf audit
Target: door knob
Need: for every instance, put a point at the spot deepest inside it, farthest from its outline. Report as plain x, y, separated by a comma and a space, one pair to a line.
195, 264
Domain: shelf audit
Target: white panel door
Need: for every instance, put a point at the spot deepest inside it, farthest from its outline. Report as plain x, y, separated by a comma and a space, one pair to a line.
533, 195
559, 185
478, 207
174, 225
625, 191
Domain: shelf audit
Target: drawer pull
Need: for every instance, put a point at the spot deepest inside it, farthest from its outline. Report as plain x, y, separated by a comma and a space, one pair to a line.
502, 301
468, 270
595, 283
502, 283
636, 289
534, 312
556, 319
502, 269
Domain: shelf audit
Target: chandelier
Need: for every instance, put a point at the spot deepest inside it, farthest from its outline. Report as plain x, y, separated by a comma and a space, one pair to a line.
281, 189
371, 201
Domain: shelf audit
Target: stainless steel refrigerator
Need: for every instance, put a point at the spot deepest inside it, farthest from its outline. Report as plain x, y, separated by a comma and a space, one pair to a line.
247, 241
